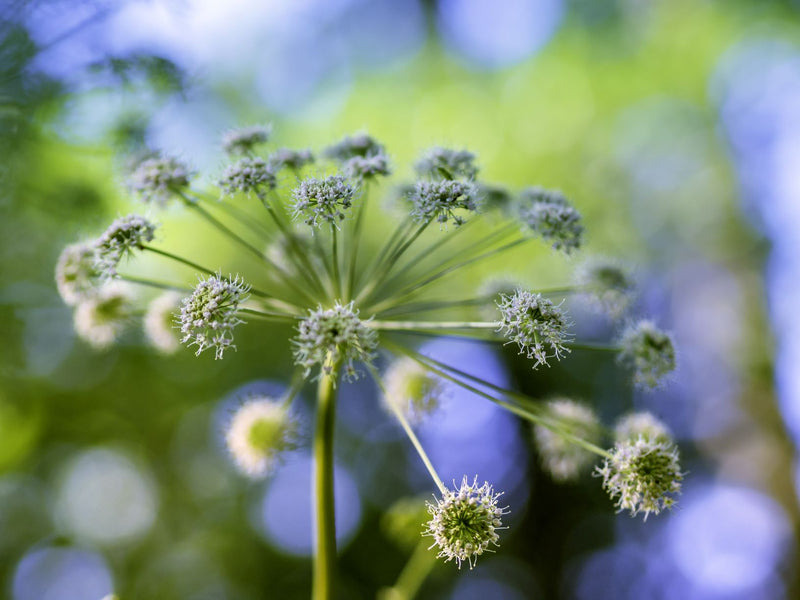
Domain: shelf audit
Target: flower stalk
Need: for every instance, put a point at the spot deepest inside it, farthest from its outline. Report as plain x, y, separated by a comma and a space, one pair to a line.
324, 506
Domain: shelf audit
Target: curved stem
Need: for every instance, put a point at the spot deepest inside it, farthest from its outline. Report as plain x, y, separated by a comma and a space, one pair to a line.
155, 284
530, 413
413, 574
410, 433
429, 325
409, 290
177, 258
325, 525
356, 237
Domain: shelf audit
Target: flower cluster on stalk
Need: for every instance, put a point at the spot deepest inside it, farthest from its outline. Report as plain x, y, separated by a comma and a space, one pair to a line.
355, 286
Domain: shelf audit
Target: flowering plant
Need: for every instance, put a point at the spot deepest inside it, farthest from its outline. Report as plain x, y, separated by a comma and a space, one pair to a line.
352, 303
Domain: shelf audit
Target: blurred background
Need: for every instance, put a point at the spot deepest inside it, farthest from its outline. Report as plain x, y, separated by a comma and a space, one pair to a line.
673, 124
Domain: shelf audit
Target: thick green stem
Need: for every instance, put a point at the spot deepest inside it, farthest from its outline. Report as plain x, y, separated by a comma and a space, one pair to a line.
325, 531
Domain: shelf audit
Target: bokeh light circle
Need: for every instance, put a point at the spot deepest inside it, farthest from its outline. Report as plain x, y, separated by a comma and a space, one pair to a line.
61, 574
284, 514
103, 497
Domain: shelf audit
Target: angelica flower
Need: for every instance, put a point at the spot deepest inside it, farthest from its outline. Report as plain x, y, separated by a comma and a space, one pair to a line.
465, 521
286, 157
337, 332
494, 196
360, 144
642, 475
535, 324
607, 284
242, 141
648, 351
439, 200
160, 322
122, 237
155, 179
411, 389
561, 456
260, 431
102, 317
641, 424
444, 163
247, 175
366, 167
322, 200
548, 214
76, 273
209, 316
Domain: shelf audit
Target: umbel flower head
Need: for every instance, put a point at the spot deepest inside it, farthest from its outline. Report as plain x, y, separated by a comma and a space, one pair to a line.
465, 521
406, 278
560, 456
122, 237
548, 214
260, 431
288, 158
642, 475
411, 389
247, 175
368, 167
442, 201
648, 351
608, 284
641, 424
335, 335
443, 163
535, 324
102, 317
243, 140
360, 144
76, 273
210, 314
156, 179
161, 322
319, 201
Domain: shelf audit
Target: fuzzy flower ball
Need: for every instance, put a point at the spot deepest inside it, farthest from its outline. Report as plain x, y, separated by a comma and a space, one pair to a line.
288, 158
210, 314
260, 431
122, 237
465, 521
368, 167
560, 456
649, 352
360, 144
535, 324
102, 317
412, 390
156, 179
337, 332
76, 273
242, 141
444, 163
319, 201
642, 475
247, 175
641, 424
607, 284
160, 322
549, 215
442, 201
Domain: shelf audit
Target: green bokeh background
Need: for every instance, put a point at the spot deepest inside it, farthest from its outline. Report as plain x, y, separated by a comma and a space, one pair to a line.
557, 119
